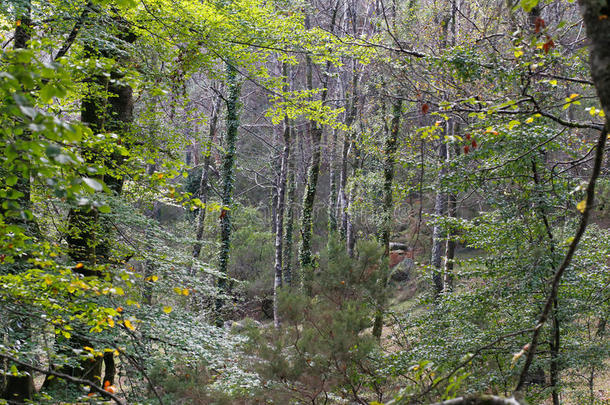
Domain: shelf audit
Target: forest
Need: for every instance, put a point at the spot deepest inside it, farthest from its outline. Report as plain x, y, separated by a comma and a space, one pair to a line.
384, 202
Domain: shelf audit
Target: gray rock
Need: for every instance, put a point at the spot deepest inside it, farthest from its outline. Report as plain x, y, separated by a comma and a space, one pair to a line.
402, 271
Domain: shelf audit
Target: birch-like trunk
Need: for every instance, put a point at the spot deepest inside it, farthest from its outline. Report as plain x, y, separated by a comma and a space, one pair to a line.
440, 209
279, 221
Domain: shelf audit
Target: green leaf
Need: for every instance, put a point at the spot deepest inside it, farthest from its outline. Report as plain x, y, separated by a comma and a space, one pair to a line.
47, 93
513, 124
52, 151
11, 180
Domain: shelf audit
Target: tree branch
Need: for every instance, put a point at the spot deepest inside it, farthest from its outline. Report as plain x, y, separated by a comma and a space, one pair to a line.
590, 197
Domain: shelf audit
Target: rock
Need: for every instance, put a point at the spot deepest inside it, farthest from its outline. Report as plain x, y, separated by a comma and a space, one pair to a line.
402, 271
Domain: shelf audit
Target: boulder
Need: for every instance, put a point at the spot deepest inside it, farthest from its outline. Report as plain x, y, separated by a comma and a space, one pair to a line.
402, 271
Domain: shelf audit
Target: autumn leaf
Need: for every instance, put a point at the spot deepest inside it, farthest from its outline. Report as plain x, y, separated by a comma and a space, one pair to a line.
128, 324
581, 206
167, 310
548, 45
539, 24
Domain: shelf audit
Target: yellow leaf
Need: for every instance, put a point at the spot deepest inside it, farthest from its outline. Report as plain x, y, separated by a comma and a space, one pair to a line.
89, 349
185, 291
79, 266
128, 324
573, 95
111, 322
581, 206
592, 111
18, 23
167, 310
530, 120
154, 278
178, 290
518, 53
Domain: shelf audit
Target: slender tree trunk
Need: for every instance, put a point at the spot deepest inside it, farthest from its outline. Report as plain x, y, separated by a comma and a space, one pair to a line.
288, 237
452, 213
305, 253
347, 231
228, 182
440, 209
343, 203
332, 195
555, 346
389, 152
205, 174
281, 197
450, 247
315, 135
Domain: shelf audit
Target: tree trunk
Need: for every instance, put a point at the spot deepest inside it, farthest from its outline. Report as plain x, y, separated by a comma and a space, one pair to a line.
389, 153
89, 236
228, 178
332, 195
440, 209
315, 135
288, 237
347, 231
281, 197
451, 213
205, 174
305, 253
